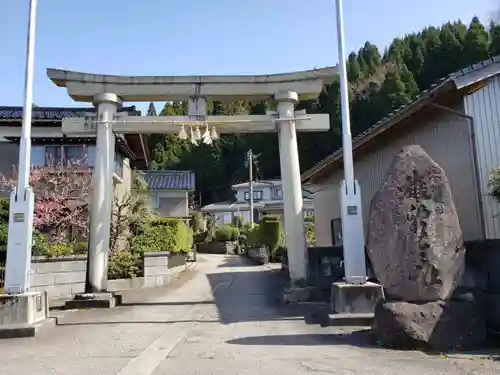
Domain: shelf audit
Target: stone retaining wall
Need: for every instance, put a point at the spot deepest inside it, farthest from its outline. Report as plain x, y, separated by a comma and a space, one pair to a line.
64, 277
59, 276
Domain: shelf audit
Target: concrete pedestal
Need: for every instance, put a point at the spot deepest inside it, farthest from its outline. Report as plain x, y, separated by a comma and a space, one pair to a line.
21, 314
352, 304
93, 301
355, 299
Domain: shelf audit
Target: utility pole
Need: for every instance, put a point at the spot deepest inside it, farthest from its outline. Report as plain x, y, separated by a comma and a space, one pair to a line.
250, 183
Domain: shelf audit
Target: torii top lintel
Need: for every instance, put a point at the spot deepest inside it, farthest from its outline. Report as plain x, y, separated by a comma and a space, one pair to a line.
83, 86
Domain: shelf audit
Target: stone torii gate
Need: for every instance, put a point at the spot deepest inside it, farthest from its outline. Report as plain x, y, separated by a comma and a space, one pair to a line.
108, 92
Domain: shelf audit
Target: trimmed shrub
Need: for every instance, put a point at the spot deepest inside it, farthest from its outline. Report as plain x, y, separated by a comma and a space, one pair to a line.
197, 222
165, 235
123, 265
253, 237
226, 233
223, 234
55, 250
271, 231
237, 221
80, 248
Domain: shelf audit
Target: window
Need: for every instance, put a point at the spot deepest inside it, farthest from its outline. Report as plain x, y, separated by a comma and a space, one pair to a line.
38, 156
278, 193
74, 155
53, 155
62, 155
257, 195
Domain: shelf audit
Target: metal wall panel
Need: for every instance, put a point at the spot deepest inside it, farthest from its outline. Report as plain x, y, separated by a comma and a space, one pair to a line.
483, 105
445, 137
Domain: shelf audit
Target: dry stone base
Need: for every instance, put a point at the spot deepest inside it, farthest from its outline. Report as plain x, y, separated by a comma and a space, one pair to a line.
439, 325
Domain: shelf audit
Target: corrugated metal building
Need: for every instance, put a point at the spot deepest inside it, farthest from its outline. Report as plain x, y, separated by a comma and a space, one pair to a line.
457, 122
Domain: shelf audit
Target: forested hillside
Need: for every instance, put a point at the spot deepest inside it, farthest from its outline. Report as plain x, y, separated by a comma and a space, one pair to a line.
380, 82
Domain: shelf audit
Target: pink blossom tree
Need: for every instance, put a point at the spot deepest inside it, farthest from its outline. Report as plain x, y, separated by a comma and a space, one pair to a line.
62, 195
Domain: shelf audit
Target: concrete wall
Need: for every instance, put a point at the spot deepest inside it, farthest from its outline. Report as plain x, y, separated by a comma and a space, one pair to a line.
446, 138
64, 277
59, 277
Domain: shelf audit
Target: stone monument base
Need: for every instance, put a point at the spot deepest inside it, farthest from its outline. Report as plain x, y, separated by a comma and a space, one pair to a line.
355, 298
21, 314
103, 300
439, 325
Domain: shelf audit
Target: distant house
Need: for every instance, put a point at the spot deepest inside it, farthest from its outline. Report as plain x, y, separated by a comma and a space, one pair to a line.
457, 122
170, 192
267, 197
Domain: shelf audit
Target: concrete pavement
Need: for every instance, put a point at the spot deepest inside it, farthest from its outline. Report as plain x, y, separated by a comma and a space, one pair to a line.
224, 317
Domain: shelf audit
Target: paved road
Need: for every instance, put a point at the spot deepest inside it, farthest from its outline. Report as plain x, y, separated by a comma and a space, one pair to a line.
223, 318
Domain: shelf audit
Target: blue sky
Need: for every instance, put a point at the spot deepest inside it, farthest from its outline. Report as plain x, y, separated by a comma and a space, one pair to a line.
169, 37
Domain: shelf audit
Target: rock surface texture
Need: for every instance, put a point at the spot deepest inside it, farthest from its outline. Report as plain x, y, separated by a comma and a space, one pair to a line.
438, 325
414, 238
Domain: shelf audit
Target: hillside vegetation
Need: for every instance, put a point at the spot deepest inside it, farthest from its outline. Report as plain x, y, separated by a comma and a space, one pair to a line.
380, 82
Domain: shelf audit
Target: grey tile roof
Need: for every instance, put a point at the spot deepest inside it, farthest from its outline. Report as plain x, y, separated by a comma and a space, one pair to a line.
52, 113
481, 70
170, 179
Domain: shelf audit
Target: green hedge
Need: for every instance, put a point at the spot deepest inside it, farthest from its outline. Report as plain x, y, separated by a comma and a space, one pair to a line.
165, 235
226, 233
253, 237
197, 222
271, 232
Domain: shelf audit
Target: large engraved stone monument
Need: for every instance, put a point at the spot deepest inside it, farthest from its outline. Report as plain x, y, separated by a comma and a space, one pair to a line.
414, 237
416, 249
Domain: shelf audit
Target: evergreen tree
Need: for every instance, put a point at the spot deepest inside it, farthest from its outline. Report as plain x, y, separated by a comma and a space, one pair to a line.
371, 56
353, 69
476, 43
495, 39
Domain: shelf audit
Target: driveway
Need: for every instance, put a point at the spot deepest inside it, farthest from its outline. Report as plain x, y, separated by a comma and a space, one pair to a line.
223, 317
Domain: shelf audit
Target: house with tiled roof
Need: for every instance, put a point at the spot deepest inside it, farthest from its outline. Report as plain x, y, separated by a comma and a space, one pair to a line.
457, 122
171, 192
50, 145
